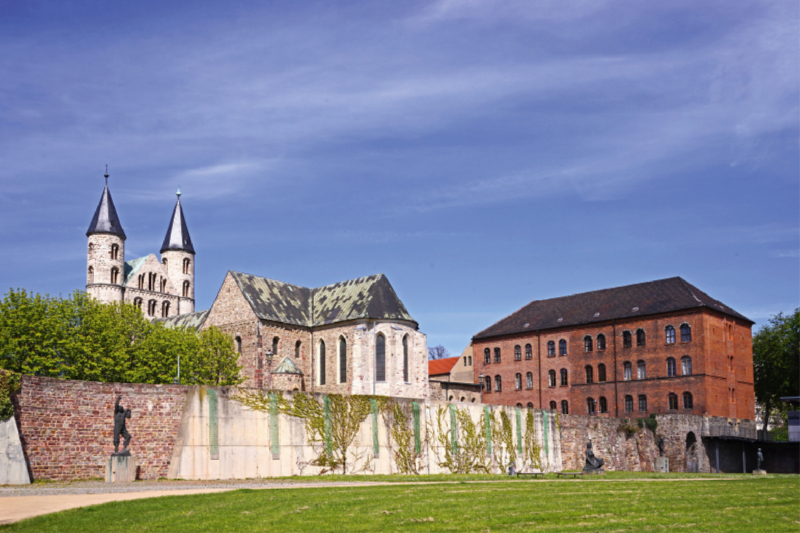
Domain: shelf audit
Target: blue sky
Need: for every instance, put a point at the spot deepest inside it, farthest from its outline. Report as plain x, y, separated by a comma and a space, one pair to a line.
482, 154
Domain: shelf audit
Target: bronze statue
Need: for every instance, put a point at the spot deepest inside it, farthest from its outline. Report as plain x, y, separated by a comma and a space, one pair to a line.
661, 446
759, 459
594, 464
120, 414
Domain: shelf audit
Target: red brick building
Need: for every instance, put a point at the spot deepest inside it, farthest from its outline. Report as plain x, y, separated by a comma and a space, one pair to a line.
657, 347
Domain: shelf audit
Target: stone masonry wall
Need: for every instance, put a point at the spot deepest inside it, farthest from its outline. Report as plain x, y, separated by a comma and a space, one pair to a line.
66, 427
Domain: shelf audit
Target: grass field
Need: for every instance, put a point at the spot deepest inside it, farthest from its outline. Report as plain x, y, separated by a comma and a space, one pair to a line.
623, 502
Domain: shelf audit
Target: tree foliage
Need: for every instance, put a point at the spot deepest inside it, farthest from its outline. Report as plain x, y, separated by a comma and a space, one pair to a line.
776, 361
80, 338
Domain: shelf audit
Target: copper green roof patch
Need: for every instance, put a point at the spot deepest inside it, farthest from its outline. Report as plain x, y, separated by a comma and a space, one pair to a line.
132, 267
287, 366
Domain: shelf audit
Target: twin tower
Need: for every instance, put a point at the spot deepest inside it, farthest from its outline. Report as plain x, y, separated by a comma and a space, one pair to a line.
159, 288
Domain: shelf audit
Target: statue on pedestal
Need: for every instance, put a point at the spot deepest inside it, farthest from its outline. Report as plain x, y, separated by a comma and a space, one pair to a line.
594, 464
759, 459
660, 446
120, 415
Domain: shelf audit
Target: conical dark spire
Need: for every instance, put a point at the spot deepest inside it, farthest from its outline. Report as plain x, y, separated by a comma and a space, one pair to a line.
105, 218
177, 237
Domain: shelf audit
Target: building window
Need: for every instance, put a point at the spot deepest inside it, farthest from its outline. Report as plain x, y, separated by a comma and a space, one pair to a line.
90, 275
686, 364
186, 290
164, 309
603, 404
687, 400
380, 358
587, 343
138, 303
238, 345
465, 360
405, 358
497, 355
275, 341
163, 285
529, 380
730, 363
551, 348
641, 370
322, 362
498, 384
151, 308
673, 401
670, 334
553, 405
186, 265
627, 371
564, 377
601, 373
517, 353
151, 281
114, 251
601, 342
564, 407
297, 349
164, 263
562, 347
686, 333
91, 250
589, 374
530, 405
640, 338
528, 351
590, 406
626, 339
342, 360
643, 403
488, 385
518, 381
470, 360
487, 356
670, 367
114, 275
141, 281
629, 404
551, 377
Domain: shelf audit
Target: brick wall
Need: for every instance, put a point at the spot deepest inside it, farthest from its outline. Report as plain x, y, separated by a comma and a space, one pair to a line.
66, 427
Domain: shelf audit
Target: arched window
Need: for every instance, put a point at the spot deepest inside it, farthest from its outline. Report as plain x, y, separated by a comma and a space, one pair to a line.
163, 285
551, 376
322, 362
518, 381
627, 371
564, 377
589, 374
275, 341
590, 406
186, 290
562, 347
517, 353
551, 348
669, 332
673, 401
380, 358
465, 360
603, 404
498, 384
640, 338
239, 345
530, 405
115, 251
165, 265
601, 342
470, 360
564, 407
553, 405
90, 275
487, 356
91, 250
670, 367
730, 363
626, 339
151, 308
114, 275
528, 351
138, 303
686, 364
628, 404
141, 281
342, 360
641, 370
687, 400
488, 383
519, 405
164, 309
151, 281
686, 333
529, 380
497, 355
601, 373
587, 343
297, 349
405, 358
643, 403
186, 265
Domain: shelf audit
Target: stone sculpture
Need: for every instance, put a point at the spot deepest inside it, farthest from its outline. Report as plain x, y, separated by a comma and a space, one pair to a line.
594, 464
120, 414
661, 446
759, 459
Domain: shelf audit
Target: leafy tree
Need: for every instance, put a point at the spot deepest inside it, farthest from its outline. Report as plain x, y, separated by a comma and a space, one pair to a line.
213, 360
776, 361
438, 352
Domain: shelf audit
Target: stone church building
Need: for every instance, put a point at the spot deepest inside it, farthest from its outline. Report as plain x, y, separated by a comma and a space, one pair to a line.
353, 337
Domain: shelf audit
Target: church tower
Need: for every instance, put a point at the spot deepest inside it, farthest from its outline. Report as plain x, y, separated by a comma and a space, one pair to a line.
177, 258
105, 273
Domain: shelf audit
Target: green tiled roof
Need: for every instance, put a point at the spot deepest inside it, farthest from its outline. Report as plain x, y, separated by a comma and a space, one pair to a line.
189, 320
287, 366
367, 297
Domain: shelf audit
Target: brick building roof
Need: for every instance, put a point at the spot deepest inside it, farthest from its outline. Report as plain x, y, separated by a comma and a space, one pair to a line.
367, 297
652, 297
437, 367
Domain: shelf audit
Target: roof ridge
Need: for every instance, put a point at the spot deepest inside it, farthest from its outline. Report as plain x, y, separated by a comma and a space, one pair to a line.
380, 275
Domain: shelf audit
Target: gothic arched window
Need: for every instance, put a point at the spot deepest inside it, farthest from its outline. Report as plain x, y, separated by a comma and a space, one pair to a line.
322, 362
380, 358
405, 358
342, 360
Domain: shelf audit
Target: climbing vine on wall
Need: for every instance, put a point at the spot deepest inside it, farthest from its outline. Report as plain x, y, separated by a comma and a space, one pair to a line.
9, 384
403, 445
468, 454
504, 451
532, 450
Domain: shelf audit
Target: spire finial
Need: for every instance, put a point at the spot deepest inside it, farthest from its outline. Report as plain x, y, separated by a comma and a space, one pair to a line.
106, 175
179, 192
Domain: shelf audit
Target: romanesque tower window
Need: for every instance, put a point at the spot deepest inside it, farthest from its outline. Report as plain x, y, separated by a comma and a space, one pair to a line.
91, 250
589, 374
151, 308
627, 371
163, 285
686, 333
528, 351
551, 377
670, 368
601, 342
686, 364
564, 407
641, 370
603, 404
601, 373
297, 349
497, 355
518, 381
380, 358
628, 404
529, 380
687, 400
164, 263
562, 347
141, 281
626, 339
498, 384
640, 337
275, 341
587, 343
673, 401
322, 362
164, 309
643, 403
137, 302
115, 251
517, 353
669, 331
405, 358
564, 377
590, 406
90, 275
239, 345
487, 356
186, 289
114, 275
553, 405
551, 349
151, 281
342, 360
186, 265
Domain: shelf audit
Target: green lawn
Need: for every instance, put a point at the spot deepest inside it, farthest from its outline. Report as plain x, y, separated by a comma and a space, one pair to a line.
622, 502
